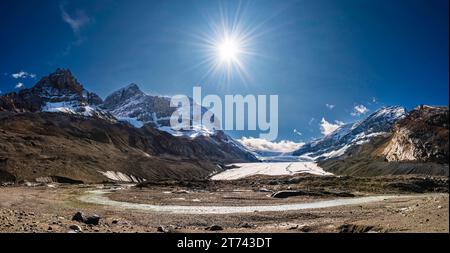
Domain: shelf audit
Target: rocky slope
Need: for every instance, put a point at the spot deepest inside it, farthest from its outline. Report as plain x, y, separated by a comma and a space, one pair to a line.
417, 144
422, 136
53, 147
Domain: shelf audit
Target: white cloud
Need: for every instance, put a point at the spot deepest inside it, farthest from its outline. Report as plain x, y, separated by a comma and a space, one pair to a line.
330, 106
19, 85
258, 144
358, 110
297, 132
327, 128
75, 21
23, 74
18, 75
311, 121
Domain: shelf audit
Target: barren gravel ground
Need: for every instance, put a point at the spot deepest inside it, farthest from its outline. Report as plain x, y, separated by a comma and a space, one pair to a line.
48, 209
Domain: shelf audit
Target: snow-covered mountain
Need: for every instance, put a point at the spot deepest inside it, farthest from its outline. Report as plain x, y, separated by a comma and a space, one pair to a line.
130, 104
134, 106
379, 123
58, 92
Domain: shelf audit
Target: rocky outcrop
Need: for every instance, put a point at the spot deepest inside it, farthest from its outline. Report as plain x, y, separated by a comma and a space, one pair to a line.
421, 136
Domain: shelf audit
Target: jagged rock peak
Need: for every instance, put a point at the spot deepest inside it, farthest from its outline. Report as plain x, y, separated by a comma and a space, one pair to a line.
61, 79
130, 91
62, 85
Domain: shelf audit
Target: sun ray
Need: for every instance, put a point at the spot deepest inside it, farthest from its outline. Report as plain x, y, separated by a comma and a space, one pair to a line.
226, 46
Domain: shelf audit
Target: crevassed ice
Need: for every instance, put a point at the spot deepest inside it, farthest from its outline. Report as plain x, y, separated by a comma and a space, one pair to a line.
270, 169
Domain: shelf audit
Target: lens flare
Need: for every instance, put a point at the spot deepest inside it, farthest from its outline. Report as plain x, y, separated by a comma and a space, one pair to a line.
228, 51
227, 45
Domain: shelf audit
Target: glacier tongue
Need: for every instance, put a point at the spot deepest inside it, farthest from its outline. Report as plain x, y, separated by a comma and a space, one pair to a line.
271, 169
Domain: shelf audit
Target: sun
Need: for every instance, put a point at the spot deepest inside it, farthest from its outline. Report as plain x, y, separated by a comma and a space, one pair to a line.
227, 44
228, 51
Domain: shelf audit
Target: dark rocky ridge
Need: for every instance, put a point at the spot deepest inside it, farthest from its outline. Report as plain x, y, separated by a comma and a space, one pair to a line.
36, 145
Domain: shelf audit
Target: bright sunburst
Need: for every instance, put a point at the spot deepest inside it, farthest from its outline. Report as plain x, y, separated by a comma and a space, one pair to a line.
227, 45
228, 51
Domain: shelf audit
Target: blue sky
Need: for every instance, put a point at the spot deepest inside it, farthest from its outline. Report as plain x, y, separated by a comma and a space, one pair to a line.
346, 54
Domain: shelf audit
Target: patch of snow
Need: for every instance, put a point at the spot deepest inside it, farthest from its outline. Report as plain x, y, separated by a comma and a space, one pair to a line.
133, 121
121, 177
65, 107
73, 107
194, 132
335, 153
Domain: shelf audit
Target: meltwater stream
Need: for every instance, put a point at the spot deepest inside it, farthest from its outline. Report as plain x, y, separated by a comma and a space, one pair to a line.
98, 197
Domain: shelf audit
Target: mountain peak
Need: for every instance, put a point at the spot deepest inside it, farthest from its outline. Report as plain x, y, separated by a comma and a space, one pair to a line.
132, 86
62, 71
128, 91
120, 96
57, 92
59, 82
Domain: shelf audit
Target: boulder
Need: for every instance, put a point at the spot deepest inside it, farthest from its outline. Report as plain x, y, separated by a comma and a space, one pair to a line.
75, 228
78, 217
214, 228
92, 220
